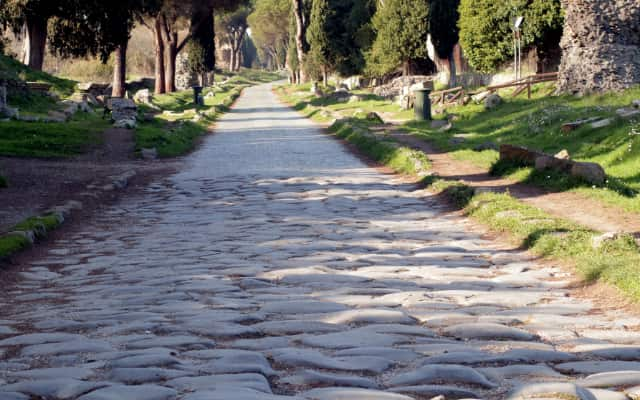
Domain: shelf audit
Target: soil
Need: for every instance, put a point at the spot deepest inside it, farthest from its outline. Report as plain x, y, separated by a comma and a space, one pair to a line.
569, 205
36, 185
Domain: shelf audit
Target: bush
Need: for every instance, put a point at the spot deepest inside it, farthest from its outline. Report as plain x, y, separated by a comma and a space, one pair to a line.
3, 182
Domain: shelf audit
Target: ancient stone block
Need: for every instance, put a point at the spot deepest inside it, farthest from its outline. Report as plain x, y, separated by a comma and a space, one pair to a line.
601, 45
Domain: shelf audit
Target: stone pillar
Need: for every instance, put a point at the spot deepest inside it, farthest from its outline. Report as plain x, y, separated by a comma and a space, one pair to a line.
601, 46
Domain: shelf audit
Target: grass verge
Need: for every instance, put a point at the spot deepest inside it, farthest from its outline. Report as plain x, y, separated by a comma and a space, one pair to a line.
11, 244
39, 226
51, 140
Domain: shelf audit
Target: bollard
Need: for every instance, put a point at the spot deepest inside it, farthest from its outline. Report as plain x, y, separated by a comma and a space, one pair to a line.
197, 90
422, 105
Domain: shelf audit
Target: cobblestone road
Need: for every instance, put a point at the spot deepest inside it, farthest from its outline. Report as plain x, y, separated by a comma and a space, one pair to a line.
279, 266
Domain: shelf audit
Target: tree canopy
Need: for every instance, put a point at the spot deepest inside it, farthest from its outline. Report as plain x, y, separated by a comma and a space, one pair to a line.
401, 28
486, 28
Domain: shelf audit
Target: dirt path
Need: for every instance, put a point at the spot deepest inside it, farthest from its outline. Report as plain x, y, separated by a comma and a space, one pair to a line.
36, 185
581, 209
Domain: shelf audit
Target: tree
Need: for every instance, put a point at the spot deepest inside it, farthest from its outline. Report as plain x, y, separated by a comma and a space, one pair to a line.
321, 37
293, 63
270, 32
486, 34
443, 28
359, 35
300, 13
401, 28
233, 26
34, 16
249, 52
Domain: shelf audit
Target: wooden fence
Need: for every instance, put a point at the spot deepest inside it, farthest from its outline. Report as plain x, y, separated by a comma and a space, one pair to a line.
526, 83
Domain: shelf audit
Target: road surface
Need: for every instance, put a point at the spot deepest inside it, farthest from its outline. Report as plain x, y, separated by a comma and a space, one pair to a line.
277, 265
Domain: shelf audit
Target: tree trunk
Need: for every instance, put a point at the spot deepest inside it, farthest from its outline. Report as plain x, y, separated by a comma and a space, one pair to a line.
120, 71
301, 29
35, 42
232, 59
325, 76
452, 71
160, 86
239, 60
172, 54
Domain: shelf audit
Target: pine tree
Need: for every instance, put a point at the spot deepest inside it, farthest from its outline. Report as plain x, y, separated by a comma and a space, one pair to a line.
401, 27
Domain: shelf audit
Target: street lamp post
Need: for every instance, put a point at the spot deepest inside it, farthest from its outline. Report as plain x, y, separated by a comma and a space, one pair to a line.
517, 47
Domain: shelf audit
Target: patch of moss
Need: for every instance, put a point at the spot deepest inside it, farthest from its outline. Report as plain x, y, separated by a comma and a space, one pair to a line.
10, 244
40, 225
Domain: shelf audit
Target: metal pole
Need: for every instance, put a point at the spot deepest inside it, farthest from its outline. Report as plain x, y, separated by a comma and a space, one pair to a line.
515, 55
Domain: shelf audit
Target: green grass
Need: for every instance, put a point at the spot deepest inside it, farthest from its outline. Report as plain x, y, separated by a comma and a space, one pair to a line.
11, 69
616, 261
400, 159
54, 140
536, 124
301, 98
40, 225
170, 140
10, 244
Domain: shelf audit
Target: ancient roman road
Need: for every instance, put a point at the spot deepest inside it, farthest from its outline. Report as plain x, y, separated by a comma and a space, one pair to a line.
277, 265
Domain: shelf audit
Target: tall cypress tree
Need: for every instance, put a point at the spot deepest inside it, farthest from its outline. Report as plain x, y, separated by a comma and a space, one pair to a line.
319, 36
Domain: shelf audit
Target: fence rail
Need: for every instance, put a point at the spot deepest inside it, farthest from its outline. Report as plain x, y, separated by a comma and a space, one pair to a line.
526, 83
449, 96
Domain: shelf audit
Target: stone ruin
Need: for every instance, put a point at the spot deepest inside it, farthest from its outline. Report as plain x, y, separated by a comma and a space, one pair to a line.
185, 78
601, 45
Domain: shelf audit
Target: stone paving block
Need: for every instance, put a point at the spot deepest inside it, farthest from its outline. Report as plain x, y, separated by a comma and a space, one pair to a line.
595, 367
210, 382
452, 374
611, 379
137, 376
72, 347
488, 331
59, 388
53, 373
333, 393
124, 392
315, 378
236, 394
435, 391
